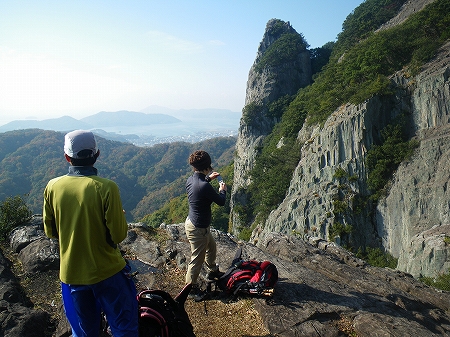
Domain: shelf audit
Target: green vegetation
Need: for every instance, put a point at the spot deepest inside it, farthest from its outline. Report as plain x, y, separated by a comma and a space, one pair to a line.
13, 212
251, 112
320, 57
278, 107
272, 174
245, 233
344, 206
377, 258
339, 229
174, 211
276, 161
243, 212
340, 173
383, 160
286, 48
366, 18
361, 60
442, 281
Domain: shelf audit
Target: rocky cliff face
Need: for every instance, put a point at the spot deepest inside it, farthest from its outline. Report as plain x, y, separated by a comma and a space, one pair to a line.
412, 222
416, 213
264, 85
341, 144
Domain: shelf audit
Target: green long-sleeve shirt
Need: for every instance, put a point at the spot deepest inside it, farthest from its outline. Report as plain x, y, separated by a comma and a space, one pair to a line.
85, 213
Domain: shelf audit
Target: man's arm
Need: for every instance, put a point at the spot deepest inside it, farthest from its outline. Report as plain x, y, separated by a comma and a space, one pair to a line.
48, 216
218, 198
115, 216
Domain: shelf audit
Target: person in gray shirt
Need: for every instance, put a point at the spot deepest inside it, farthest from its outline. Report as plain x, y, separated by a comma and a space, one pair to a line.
197, 225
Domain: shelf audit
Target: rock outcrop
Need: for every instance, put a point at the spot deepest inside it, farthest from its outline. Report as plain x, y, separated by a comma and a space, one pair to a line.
18, 317
323, 290
264, 85
411, 222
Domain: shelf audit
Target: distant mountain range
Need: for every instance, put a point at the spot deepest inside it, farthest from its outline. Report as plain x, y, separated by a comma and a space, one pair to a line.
150, 126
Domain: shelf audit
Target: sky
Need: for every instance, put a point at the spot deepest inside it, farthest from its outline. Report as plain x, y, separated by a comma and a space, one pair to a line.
78, 58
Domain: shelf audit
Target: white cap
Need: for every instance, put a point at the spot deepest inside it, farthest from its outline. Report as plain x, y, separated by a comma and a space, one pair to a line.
79, 140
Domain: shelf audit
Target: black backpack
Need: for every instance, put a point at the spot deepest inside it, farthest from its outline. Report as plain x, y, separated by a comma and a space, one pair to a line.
163, 316
249, 277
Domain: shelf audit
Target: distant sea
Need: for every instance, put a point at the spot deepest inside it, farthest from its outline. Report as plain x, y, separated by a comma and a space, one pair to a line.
170, 130
168, 133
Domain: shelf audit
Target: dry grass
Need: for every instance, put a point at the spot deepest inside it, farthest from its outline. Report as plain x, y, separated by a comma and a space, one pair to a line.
215, 318
345, 325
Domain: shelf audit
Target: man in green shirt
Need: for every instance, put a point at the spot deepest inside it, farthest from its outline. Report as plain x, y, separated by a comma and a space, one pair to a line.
84, 212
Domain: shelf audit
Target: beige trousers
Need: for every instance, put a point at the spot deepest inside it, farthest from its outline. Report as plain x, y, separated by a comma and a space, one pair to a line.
203, 249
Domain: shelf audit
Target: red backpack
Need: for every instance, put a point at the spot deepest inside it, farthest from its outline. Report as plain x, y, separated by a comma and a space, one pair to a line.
249, 277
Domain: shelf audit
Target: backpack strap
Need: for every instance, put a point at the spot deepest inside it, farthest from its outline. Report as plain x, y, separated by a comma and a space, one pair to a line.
183, 295
146, 312
234, 265
166, 296
237, 256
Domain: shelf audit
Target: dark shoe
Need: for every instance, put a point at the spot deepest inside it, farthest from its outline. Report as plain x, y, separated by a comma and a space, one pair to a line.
203, 296
195, 291
215, 275
197, 294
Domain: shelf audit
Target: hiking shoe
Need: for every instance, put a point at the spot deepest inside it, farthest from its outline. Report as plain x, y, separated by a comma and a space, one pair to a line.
197, 294
214, 275
202, 296
195, 291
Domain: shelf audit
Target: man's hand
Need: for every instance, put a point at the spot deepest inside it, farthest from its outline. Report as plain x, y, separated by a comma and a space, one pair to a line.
214, 175
222, 186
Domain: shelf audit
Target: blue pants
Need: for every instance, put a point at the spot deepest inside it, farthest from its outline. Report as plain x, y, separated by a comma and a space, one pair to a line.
116, 296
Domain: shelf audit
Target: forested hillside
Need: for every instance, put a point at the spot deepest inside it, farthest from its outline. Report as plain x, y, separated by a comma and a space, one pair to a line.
148, 177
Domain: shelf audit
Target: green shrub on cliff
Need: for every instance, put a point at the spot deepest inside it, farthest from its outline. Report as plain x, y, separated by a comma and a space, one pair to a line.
357, 71
283, 50
251, 113
272, 174
377, 258
382, 160
13, 212
441, 281
365, 18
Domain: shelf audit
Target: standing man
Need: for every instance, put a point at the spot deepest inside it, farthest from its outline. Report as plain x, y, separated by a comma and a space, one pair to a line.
85, 213
200, 196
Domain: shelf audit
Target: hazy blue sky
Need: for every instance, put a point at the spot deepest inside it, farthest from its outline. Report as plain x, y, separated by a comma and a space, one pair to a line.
77, 58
